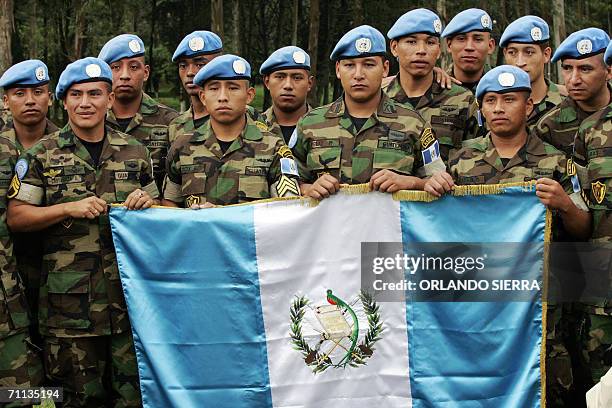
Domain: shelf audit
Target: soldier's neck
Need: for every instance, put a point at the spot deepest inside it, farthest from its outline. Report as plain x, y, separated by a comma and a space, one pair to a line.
28, 135
289, 118
227, 132
539, 90
508, 146
415, 86
362, 109
198, 110
93, 135
599, 101
124, 109
469, 77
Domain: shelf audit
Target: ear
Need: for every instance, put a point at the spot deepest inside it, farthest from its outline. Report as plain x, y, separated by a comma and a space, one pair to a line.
338, 69
147, 70
491, 45
5, 101
385, 68
50, 103
529, 106
267, 81
111, 100
394, 44
547, 54
250, 94
311, 80
201, 95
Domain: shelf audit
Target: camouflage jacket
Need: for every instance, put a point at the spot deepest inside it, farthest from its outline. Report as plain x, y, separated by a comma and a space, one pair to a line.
558, 127
553, 98
593, 160
451, 71
478, 162
395, 137
150, 127
184, 122
256, 165
269, 118
451, 112
6, 119
81, 292
13, 309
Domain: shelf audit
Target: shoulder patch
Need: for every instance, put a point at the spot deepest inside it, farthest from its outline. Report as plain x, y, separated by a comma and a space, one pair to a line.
262, 126
427, 138
599, 191
14, 187
570, 168
21, 168
285, 151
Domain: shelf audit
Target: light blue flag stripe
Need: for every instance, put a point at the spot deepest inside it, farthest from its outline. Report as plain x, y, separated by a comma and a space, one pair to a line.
475, 354
196, 316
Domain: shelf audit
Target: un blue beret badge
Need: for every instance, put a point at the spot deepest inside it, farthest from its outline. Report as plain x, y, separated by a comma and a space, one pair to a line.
536, 34
299, 57
437, 25
134, 46
196, 44
584, 46
485, 21
239, 67
40, 74
93, 70
363, 45
506, 79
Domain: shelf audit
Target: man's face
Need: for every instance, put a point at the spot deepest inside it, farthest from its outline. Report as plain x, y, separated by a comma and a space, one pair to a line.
417, 53
87, 103
189, 67
226, 100
28, 106
289, 88
528, 57
506, 114
129, 76
585, 78
361, 77
470, 50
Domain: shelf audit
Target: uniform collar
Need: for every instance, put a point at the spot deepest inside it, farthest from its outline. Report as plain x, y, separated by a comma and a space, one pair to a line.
67, 137
270, 117
396, 92
552, 94
386, 108
250, 132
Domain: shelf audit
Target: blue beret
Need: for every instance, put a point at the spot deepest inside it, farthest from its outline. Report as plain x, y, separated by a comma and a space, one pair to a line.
198, 43
468, 20
362, 41
226, 66
26, 73
525, 30
88, 69
122, 46
502, 79
414, 22
582, 44
608, 54
290, 57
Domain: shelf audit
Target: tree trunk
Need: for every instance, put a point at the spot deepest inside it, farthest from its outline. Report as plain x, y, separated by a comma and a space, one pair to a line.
445, 58
313, 47
294, 31
7, 24
236, 28
216, 17
33, 23
558, 31
79, 29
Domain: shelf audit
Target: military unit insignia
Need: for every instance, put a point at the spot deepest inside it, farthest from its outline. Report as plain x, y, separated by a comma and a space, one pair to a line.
21, 168
192, 200
427, 138
363, 45
584, 46
536, 34
570, 168
196, 44
288, 166
485, 20
262, 126
299, 57
506, 79
14, 187
67, 223
599, 191
40, 74
52, 173
284, 151
93, 70
239, 67
287, 185
339, 345
437, 24
134, 46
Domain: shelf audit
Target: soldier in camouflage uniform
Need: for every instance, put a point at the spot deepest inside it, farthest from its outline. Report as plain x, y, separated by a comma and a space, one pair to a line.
230, 159
28, 98
62, 187
525, 43
593, 159
286, 74
134, 112
469, 40
364, 136
20, 364
415, 42
586, 76
508, 153
5, 119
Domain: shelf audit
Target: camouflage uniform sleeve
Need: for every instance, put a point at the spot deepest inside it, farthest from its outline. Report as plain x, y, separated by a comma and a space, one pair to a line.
173, 181
472, 128
453, 161
283, 174
27, 184
427, 159
147, 181
300, 151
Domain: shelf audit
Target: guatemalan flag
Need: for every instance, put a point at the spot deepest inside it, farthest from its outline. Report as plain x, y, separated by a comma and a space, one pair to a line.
261, 305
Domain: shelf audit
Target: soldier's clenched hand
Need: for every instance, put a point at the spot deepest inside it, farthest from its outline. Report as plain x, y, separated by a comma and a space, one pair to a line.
323, 187
552, 194
138, 200
90, 207
388, 181
439, 184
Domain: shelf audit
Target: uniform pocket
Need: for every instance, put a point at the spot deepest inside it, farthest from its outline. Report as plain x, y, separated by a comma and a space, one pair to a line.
68, 299
13, 307
253, 188
396, 160
324, 160
125, 183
